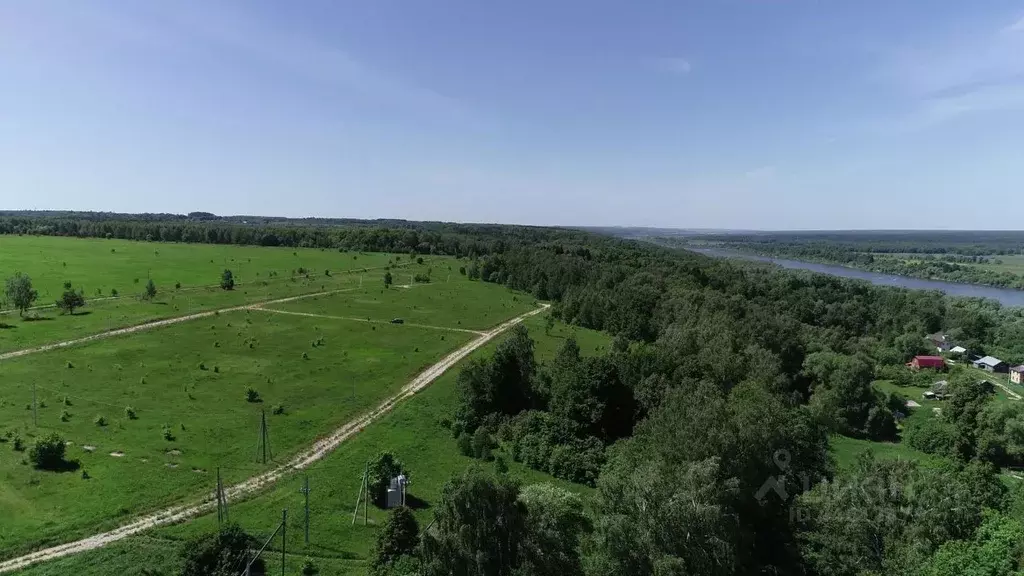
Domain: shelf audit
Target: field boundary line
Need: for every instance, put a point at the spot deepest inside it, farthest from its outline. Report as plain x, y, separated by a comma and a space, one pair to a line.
369, 321
161, 323
303, 459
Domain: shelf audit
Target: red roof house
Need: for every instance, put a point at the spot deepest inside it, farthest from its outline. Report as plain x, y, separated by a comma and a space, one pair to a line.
933, 362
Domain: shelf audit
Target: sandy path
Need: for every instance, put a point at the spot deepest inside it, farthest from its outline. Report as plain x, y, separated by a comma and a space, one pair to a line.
160, 323
305, 458
368, 321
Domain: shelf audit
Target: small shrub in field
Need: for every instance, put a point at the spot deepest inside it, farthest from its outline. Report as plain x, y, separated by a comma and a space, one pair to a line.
177, 285
42, 403
277, 410
48, 452
216, 369
305, 356
65, 416
113, 292
67, 401
309, 569
100, 421
251, 395
85, 475
202, 366
17, 443
70, 365
167, 434
129, 413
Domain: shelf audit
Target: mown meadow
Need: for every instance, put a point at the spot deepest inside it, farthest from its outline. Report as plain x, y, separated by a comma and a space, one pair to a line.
149, 417
414, 431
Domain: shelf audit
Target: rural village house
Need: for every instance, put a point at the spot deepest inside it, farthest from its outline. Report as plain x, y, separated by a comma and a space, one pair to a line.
933, 362
940, 341
1017, 374
991, 364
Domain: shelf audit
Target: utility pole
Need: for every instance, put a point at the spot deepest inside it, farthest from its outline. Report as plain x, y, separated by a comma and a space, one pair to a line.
35, 410
222, 501
366, 485
284, 536
363, 488
305, 490
263, 444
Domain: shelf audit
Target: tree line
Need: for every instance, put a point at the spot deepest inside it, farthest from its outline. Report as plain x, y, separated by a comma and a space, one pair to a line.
705, 428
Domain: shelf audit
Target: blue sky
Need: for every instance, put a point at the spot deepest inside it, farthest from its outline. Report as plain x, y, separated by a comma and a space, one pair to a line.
765, 114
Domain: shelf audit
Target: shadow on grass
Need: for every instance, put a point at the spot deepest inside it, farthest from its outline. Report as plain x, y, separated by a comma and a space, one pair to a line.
81, 313
64, 466
6, 326
37, 318
337, 553
416, 503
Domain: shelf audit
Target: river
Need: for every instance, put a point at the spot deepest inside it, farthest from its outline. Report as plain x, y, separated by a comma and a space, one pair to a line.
1005, 296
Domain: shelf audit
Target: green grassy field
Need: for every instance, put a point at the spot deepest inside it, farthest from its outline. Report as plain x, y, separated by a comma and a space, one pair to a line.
97, 265
105, 315
191, 377
457, 303
413, 430
261, 274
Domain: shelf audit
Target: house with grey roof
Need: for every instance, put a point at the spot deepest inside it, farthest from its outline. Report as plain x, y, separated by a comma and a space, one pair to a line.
991, 364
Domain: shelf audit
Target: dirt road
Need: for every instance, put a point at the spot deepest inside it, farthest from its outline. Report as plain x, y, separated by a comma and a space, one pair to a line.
305, 458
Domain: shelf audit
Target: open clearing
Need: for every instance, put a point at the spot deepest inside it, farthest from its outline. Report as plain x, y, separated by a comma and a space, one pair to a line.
324, 362
457, 303
412, 430
190, 378
97, 265
282, 274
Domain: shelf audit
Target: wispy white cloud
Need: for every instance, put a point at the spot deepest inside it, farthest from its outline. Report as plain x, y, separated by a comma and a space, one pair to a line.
1017, 26
674, 65
955, 76
116, 31
315, 60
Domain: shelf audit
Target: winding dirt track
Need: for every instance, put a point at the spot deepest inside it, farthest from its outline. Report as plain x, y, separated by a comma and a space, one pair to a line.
305, 458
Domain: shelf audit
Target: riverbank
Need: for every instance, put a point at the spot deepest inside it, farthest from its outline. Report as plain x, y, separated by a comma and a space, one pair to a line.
923, 266
1005, 296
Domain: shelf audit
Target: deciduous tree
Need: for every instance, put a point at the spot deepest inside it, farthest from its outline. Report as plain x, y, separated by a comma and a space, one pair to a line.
70, 299
19, 292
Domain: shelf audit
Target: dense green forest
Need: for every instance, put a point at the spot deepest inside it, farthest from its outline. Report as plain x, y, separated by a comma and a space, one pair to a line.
705, 429
948, 256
